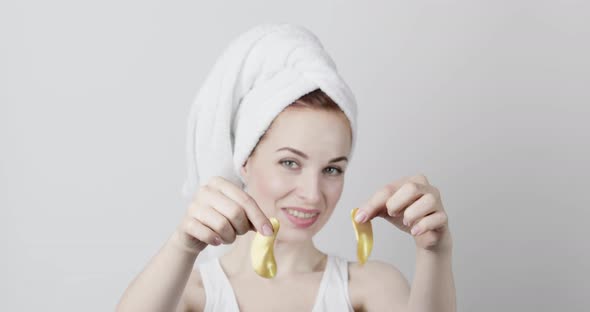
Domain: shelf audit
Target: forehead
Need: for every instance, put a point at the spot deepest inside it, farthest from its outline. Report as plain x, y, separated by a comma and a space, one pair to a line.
311, 129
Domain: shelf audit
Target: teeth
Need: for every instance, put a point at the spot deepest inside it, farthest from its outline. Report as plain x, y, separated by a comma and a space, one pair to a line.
301, 215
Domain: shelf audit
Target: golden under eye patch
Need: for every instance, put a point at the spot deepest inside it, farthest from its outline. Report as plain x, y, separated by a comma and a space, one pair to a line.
364, 237
261, 252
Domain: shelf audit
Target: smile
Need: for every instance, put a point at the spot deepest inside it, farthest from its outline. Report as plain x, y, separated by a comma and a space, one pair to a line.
301, 219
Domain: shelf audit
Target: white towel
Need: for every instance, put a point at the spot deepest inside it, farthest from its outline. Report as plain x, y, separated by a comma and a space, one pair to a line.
261, 72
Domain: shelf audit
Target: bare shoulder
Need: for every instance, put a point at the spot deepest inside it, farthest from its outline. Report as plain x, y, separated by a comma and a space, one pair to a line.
193, 297
378, 286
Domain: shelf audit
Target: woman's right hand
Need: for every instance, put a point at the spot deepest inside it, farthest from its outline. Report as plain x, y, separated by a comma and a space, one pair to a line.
219, 212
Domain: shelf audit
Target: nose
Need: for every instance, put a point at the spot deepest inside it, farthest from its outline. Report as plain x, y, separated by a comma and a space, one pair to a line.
310, 189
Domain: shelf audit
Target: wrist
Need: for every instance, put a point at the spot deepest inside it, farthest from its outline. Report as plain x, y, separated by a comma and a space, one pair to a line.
444, 247
178, 244
435, 251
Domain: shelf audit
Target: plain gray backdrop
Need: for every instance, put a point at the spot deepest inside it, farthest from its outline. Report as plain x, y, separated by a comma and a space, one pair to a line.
488, 99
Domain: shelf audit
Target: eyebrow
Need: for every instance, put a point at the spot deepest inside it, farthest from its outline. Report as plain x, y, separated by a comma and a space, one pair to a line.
300, 153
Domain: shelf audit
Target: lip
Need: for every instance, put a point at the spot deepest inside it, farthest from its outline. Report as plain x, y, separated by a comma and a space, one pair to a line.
298, 222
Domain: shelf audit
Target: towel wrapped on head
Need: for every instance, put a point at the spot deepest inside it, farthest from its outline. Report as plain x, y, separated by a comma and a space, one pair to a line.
259, 74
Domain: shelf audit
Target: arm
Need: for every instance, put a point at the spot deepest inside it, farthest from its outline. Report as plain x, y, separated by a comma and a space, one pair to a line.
218, 212
384, 287
160, 285
415, 206
433, 287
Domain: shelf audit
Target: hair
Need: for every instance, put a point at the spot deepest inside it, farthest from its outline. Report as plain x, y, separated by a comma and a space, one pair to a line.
315, 100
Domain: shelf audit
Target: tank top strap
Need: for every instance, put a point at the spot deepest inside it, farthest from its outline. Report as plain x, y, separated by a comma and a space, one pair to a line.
218, 291
333, 292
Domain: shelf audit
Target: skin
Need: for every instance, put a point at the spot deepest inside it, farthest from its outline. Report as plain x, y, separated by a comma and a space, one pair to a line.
276, 179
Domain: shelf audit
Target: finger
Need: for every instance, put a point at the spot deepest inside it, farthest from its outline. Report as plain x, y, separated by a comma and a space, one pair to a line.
420, 208
429, 223
201, 232
216, 222
375, 205
231, 210
259, 221
404, 197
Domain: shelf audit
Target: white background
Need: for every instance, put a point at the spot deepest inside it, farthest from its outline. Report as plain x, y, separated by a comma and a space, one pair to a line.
489, 99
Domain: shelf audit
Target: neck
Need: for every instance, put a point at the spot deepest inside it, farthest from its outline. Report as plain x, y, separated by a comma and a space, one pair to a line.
291, 257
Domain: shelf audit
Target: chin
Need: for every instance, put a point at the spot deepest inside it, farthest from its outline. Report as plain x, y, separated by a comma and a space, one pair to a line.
290, 233
289, 236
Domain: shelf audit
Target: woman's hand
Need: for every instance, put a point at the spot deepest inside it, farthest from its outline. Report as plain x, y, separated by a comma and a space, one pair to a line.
415, 207
219, 212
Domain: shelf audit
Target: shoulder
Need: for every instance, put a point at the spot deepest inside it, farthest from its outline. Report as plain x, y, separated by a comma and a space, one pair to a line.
378, 286
193, 296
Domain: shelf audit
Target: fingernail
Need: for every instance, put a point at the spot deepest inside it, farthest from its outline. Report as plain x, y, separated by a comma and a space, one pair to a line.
267, 230
217, 241
360, 217
415, 230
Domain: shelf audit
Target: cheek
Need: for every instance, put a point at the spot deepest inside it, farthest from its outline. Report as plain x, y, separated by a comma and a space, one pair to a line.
272, 185
334, 190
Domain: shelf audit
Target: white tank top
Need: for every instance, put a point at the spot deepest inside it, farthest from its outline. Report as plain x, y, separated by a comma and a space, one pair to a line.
332, 294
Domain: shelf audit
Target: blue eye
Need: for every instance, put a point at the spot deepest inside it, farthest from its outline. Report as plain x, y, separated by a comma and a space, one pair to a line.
291, 164
288, 161
338, 170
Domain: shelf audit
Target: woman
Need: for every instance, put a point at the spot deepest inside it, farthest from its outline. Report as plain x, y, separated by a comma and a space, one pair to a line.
293, 171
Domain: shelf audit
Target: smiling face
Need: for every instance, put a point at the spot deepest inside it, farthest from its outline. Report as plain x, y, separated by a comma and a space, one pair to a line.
299, 164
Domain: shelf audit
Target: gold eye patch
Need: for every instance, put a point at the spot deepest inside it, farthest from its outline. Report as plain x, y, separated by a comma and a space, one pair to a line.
364, 237
261, 252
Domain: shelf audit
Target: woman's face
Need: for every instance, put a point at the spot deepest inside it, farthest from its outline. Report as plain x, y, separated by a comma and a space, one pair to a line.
299, 165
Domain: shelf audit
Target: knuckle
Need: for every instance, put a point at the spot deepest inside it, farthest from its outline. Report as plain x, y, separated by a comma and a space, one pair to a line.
407, 214
214, 180
190, 226
247, 200
436, 192
216, 225
423, 222
389, 188
226, 227
235, 213
198, 207
197, 199
204, 189
423, 227
430, 198
384, 192
227, 234
412, 187
196, 211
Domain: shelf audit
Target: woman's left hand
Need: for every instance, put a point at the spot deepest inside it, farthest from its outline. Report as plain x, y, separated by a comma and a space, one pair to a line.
415, 207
